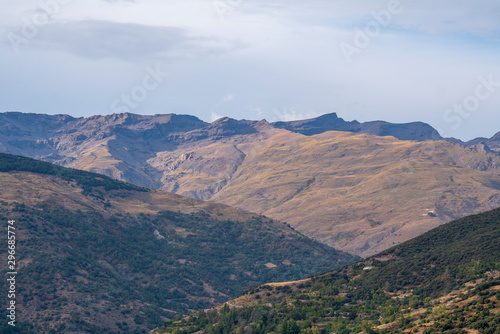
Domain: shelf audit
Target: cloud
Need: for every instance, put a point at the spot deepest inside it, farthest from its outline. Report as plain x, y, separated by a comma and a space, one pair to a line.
228, 98
126, 41
458, 17
215, 117
478, 18
290, 114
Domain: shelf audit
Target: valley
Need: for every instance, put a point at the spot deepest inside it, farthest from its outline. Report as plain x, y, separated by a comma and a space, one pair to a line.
250, 167
98, 255
177, 222
444, 281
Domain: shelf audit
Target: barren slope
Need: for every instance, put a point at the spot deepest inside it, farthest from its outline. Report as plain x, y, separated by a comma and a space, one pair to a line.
363, 193
358, 192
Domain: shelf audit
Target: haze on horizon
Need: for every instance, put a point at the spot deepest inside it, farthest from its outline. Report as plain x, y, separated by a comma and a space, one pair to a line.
396, 60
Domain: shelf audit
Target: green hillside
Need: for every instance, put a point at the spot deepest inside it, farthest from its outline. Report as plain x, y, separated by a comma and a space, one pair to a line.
445, 281
96, 255
88, 180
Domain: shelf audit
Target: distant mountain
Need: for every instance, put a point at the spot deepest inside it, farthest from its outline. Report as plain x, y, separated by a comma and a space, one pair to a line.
445, 281
417, 131
491, 144
96, 255
355, 191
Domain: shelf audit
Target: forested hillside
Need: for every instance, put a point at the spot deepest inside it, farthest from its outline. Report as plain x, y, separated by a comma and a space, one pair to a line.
445, 281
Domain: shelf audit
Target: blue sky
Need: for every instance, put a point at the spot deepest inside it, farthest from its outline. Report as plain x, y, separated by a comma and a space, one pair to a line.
398, 61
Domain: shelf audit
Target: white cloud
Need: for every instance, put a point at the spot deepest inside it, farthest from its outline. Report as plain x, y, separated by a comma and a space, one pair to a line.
290, 114
100, 39
127, 41
215, 117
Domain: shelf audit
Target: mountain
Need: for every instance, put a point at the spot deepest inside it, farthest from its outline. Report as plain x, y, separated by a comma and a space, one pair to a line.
417, 131
358, 192
96, 255
491, 144
115, 145
444, 281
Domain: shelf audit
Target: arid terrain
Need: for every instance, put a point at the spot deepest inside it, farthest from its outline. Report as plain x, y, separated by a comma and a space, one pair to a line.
361, 189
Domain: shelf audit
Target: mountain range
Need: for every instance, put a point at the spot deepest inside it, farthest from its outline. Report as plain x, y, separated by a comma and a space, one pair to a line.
98, 254
358, 187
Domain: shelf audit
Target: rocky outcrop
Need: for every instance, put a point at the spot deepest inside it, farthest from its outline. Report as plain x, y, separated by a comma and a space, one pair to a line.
417, 131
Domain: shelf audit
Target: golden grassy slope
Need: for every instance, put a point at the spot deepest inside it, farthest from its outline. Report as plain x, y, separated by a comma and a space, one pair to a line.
33, 189
361, 193
203, 168
355, 192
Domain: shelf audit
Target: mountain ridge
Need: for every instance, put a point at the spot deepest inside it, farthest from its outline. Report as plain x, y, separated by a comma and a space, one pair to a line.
417, 131
353, 179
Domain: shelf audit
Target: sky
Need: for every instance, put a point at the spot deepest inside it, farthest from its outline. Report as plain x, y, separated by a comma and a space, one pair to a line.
393, 60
